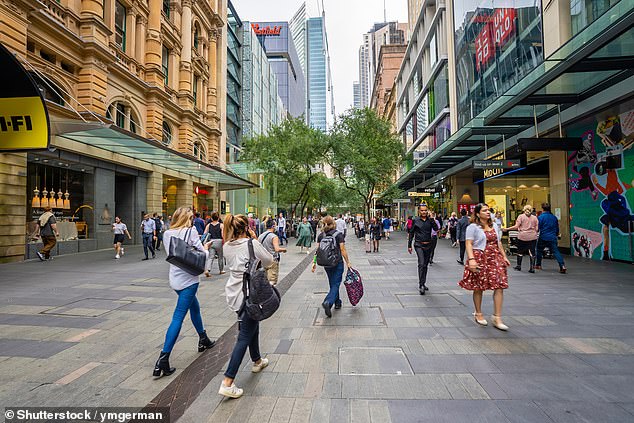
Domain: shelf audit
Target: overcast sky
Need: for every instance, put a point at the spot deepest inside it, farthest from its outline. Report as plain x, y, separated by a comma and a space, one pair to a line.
346, 21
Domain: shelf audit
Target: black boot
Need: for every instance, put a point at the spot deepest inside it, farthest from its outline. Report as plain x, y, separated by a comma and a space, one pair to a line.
204, 343
163, 365
532, 269
519, 263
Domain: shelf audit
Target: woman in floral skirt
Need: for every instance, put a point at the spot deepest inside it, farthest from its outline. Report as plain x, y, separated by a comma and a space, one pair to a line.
487, 263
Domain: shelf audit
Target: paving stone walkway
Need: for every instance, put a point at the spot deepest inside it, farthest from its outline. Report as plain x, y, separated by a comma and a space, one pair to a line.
402, 357
85, 329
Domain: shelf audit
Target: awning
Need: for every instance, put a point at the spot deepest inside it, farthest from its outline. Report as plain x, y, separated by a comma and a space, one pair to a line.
113, 139
599, 56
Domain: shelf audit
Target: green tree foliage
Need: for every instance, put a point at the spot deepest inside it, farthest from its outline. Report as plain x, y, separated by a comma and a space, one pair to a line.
288, 156
364, 153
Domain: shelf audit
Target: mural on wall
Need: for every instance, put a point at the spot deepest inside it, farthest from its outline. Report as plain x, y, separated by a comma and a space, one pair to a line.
601, 176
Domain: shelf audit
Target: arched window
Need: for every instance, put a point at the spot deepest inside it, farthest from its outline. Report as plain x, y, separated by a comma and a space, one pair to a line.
122, 115
167, 133
199, 151
50, 90
196, 36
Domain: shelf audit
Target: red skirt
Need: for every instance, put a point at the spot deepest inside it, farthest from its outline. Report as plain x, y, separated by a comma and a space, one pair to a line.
492, 274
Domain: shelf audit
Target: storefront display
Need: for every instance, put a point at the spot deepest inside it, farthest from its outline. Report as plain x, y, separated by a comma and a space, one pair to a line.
508, 195
601, 176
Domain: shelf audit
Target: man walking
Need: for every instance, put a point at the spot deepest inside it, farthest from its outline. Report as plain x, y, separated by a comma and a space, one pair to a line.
199, 224
314, 220
48, 232
548, 235
281, 229
148, 228
461, 233
341, 226
421, 235
158, 223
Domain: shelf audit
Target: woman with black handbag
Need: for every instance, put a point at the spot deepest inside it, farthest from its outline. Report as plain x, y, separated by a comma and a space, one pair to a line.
185, 284
236, 250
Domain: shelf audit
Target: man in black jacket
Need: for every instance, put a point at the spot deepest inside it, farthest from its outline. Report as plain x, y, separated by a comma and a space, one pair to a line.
461, 232
421, 235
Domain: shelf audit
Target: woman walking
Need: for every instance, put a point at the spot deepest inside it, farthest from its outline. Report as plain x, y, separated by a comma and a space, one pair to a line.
375, 234
185, 286
527, 225
452, 224
214, 229
236, 233
487, 263
305, 235
120, 230
335, 273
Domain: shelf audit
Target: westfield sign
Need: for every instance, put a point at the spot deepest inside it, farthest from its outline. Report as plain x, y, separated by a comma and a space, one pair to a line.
268, 30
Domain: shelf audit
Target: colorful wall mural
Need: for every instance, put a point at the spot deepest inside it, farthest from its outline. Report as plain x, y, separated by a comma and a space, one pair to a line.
601, 176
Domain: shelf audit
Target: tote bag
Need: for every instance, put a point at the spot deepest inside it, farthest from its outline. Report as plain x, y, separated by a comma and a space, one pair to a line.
354, 286
185, 256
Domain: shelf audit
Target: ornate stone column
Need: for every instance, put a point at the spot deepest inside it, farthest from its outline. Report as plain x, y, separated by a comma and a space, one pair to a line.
185, 70
153, 45
141, 25
212, 100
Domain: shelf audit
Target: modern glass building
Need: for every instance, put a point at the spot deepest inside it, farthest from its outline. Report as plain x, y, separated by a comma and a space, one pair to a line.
277, 42
549, 87
316, 73
234, 83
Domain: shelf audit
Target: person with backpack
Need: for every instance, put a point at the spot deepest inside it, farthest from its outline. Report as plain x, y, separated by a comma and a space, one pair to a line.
186, 286
237, 236
331, 254
271, 242
47, 228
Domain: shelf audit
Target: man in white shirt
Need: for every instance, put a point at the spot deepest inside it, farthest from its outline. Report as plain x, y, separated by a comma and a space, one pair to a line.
341, 225
281, 229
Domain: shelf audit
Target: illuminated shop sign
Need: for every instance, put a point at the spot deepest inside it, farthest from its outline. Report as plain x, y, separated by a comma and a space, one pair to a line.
267, 30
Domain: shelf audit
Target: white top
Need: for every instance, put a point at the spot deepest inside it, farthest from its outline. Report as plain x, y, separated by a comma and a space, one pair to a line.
477, 235
281, 223
237, 255
341, 225
119, 228
180, 279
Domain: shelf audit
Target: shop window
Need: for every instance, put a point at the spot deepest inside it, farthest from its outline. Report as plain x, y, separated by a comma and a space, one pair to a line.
165, 62
167, 134
119, 25
166, 8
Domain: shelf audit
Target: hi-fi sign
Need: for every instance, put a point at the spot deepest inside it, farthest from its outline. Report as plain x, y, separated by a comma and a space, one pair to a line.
23, 115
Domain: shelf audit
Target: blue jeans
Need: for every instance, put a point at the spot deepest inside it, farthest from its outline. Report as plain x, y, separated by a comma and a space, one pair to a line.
148, 242
335, 274
187, 301
281, 233
552, 246
248, 336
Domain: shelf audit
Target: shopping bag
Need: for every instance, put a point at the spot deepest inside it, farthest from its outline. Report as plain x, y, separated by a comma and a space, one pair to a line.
354, 286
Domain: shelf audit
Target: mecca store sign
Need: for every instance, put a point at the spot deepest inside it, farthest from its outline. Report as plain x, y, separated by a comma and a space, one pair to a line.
24, 121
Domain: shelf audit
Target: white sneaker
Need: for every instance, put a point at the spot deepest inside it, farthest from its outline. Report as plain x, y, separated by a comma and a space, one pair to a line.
257, 368
122, 252
230, 391
117, 256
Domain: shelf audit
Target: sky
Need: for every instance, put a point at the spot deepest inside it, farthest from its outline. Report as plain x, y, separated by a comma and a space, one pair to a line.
346, 22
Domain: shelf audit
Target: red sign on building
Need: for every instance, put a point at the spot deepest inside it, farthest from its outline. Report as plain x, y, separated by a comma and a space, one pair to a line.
268, 30
503, 25
484, 46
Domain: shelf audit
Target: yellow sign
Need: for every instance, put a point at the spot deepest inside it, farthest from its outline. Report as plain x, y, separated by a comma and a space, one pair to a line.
419, 194
23, 114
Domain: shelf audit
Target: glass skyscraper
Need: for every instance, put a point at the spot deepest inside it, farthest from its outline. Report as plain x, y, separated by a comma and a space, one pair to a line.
316, 73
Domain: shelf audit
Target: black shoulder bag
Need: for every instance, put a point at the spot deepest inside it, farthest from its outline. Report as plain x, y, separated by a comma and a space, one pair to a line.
185, 256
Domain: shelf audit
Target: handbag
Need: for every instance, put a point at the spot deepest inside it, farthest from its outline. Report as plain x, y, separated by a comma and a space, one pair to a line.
354, 286
185, 256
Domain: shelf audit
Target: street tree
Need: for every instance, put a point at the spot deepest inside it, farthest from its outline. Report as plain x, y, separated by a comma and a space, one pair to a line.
288, 156
364, 153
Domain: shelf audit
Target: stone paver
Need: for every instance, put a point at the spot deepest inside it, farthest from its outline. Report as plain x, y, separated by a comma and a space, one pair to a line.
85, 330
569, 355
